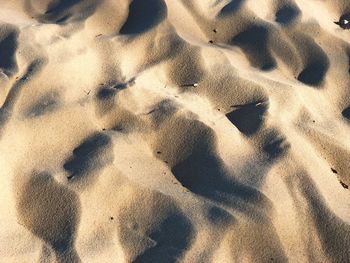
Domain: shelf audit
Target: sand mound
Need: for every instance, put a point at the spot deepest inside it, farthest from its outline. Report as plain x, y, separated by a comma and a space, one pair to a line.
174, 131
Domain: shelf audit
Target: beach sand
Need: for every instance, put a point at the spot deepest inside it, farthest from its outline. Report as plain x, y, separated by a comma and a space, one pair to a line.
174, 131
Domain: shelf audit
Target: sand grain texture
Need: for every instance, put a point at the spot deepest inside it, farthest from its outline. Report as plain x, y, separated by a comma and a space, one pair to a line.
174, 131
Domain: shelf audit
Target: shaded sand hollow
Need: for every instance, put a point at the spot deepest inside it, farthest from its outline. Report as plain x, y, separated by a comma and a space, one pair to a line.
174, 131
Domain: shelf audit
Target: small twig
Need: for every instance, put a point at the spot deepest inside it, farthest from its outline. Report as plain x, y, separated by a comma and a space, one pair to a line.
344, 185
190, 85
151, 111
248, 104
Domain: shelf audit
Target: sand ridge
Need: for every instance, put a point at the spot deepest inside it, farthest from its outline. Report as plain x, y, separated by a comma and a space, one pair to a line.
174, 131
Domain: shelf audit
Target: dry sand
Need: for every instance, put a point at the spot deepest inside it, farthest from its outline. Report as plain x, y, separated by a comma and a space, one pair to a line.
174, 131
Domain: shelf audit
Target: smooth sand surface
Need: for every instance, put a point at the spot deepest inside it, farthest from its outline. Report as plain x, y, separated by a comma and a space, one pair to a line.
156, 131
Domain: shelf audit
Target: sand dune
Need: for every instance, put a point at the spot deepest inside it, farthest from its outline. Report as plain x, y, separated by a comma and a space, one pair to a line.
174, 131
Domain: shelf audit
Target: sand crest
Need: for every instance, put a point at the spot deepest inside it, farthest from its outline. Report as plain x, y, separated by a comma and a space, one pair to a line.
174, 131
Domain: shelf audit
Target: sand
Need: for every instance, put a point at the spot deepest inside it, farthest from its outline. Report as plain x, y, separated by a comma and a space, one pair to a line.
174, 131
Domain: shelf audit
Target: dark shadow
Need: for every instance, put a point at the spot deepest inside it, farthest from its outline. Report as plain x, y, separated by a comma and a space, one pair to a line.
124, 85
63, 10
33, 68
61, 6
63, 20
46, 254
271, 146
316, 62
275, 145
254, 43
106, 93
93, 154
105, 100
172, 236
287, 14
199, 168
203, 174
231, 8
187, 69
195, 163
8, 47
218, 216
333, 232
163, 111
248, 118
152, 228
7, 108
314, 72
346, 113
51, 212
347, 51
46, 104
143, 15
